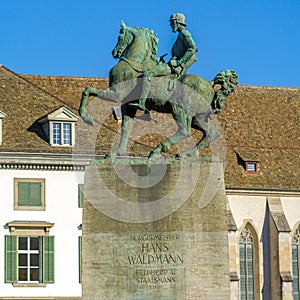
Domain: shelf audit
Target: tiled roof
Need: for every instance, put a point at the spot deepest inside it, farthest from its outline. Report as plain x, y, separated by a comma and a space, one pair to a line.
23, 104
258, 123
261, 123
67, 88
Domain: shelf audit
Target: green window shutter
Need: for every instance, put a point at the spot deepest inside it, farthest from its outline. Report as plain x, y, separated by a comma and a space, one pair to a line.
23, 193
35, 194
80, 195
29, 194
48, 259
11, 259
80, 257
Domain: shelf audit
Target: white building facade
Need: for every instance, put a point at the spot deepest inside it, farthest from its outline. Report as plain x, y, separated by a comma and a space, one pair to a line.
264, 244
41, 230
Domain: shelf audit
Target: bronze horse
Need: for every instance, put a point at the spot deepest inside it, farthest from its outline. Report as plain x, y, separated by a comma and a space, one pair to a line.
190, 99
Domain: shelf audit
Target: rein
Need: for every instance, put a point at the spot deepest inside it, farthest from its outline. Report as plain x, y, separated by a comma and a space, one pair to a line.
136, 66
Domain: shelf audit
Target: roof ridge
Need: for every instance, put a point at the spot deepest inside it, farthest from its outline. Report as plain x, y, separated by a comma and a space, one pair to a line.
37, 87
48, 93
267, 87
65, 76
243, 85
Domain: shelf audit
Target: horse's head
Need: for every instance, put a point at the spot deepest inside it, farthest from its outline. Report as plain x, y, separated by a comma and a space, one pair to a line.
137, 45
124, 40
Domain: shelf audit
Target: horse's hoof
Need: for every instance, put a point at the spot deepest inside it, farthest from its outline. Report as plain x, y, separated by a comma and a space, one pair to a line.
192, 153
109, 156
154, 155
112, 155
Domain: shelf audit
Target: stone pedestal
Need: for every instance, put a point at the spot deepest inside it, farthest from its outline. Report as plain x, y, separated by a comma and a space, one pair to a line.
155, 232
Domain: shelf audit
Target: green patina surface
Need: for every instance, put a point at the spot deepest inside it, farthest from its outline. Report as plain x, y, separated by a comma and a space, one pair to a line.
162, 87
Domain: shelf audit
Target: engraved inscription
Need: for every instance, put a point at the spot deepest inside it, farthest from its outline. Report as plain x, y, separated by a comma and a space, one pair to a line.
155, 249
155, 278
155, 260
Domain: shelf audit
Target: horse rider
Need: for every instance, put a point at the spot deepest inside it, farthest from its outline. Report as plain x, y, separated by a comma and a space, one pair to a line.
183, 56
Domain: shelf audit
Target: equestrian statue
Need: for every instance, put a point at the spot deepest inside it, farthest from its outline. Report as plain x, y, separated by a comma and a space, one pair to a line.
142, 81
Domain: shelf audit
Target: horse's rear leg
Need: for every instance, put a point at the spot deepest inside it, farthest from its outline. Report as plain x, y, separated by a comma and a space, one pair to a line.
184, 131
210, 135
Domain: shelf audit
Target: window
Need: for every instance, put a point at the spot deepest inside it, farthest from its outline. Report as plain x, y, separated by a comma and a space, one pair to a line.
67, 134
62, 134
29, 254
28, 259
249, 160
246, 265
29, 194
59, 127
251, 167
296, 262
248, 257
56, 134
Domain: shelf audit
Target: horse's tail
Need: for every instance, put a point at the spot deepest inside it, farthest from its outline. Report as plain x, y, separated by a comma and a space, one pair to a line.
225, 83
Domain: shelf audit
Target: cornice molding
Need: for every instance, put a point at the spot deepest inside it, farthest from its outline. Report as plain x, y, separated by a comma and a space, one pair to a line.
40, 167
262, 192
43, 161
29, 224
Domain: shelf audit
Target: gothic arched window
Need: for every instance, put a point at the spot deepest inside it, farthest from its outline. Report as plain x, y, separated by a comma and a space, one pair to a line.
296, 262
246, 243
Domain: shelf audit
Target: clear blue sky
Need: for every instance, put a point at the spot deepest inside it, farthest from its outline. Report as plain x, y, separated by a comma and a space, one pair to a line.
260, 39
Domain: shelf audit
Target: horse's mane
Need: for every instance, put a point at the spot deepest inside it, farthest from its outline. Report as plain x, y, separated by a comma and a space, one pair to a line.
152, 38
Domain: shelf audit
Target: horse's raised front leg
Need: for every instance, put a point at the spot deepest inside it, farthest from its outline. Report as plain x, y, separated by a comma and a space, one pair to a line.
184, 122
90, 91
112, 94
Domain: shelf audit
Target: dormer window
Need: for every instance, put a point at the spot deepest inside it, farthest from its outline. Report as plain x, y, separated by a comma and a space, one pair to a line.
59, 127
248, 160
252, 167
2, 116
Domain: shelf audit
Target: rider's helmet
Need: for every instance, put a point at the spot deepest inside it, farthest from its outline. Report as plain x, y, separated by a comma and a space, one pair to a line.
179, 18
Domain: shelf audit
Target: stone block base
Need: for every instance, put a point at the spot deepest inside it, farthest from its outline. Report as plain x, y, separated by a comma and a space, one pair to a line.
155, 232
